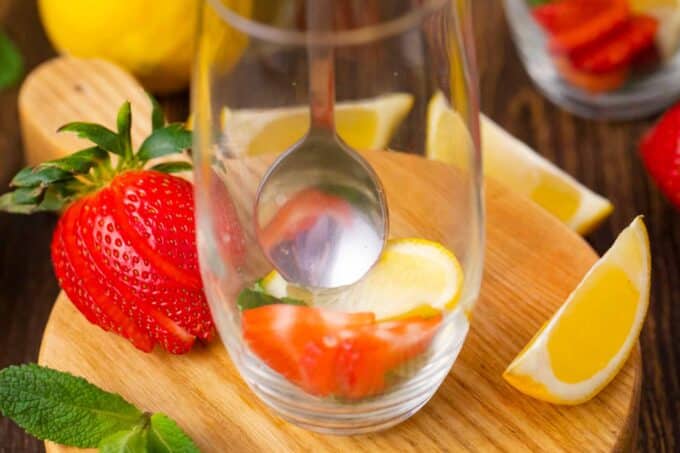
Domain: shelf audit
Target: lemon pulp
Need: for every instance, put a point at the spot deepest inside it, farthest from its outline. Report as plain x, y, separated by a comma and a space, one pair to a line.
607, 306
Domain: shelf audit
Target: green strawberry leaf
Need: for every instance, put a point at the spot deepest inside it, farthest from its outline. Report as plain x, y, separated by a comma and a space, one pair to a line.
7, 204
11, 64
170, 139
63, 408
157, 118
172, 167
254, 298
97, 134
130, 441
56, 197
165, 436
39, 176
28, 195
79, 162
123, 122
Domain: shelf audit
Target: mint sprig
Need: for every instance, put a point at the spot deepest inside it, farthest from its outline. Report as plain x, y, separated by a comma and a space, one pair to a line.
57, 406
255, 297
166, 436
11, 63
51, 186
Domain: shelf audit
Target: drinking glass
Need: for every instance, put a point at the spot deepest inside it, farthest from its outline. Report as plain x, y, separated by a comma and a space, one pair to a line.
406, 100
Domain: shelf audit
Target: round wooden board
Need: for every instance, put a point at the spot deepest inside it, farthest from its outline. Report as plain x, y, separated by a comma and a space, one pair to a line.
532, 262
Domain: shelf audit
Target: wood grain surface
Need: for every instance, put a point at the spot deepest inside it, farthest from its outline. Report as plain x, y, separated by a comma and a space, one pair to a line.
603, 155
474, 410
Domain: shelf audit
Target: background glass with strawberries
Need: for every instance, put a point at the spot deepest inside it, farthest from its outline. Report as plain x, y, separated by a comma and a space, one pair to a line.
600, 58
366, 356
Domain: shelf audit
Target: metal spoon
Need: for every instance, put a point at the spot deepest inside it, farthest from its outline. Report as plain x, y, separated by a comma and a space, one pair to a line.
321, 214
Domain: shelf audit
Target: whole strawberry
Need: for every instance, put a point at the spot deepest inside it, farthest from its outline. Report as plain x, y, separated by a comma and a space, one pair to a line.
124, 250
660, 149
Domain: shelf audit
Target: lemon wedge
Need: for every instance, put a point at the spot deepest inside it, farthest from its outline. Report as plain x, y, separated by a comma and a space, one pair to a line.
587, 341
413, 277
513, 163
365, 124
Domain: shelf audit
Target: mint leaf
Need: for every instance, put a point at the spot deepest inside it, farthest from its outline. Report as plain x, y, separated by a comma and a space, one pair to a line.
97, 134
11, 64
130, 441
173, 138
254, 298
63, 408
172, 167
166, 437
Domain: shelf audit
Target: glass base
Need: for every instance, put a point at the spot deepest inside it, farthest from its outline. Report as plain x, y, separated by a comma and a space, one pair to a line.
329, 416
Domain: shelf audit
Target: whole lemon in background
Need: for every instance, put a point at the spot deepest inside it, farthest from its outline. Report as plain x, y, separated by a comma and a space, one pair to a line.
153, 39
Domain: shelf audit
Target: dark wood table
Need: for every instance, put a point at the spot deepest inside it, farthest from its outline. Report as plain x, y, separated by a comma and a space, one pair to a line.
603, 155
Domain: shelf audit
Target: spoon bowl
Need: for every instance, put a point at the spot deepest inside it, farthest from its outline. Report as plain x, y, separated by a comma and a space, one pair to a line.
321, 213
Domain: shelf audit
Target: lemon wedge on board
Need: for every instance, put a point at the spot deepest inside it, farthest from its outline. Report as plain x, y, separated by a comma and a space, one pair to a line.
587, 341
514, 164
413, 277
364, 124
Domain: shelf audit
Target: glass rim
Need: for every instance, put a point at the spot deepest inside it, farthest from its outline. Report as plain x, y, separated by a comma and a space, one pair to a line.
357, 36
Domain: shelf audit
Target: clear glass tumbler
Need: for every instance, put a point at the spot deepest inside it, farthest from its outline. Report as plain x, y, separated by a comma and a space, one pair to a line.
366, 356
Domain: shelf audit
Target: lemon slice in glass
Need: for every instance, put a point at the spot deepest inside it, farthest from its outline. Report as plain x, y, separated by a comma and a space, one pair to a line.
514, 164
587, 341
365, 124
413, 277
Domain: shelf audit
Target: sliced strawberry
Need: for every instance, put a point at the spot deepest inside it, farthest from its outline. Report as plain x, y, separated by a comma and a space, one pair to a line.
156, 211
367, 356
593, 83
331, 353
95, 284
107, 248
72, 283
301, 213
592, 28
617, 50
564, 15
279, 334
124, 250
660, 149
118, 258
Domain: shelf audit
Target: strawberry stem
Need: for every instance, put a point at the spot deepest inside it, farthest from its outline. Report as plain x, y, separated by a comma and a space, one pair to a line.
53, 185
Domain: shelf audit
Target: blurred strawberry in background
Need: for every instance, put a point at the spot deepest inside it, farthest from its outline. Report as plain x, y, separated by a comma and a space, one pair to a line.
660, 149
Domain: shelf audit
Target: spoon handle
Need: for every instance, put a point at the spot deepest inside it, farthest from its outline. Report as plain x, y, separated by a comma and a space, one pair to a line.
321, 69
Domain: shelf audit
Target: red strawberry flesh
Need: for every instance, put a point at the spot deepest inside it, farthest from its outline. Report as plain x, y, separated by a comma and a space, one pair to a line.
94, 284
618, 49
329, 353
156, 212
660, 150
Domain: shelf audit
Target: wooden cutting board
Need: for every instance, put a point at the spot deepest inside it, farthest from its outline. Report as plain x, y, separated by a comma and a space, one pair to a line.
532, 262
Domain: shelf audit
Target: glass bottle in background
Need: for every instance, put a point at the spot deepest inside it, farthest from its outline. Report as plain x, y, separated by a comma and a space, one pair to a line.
613, 59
